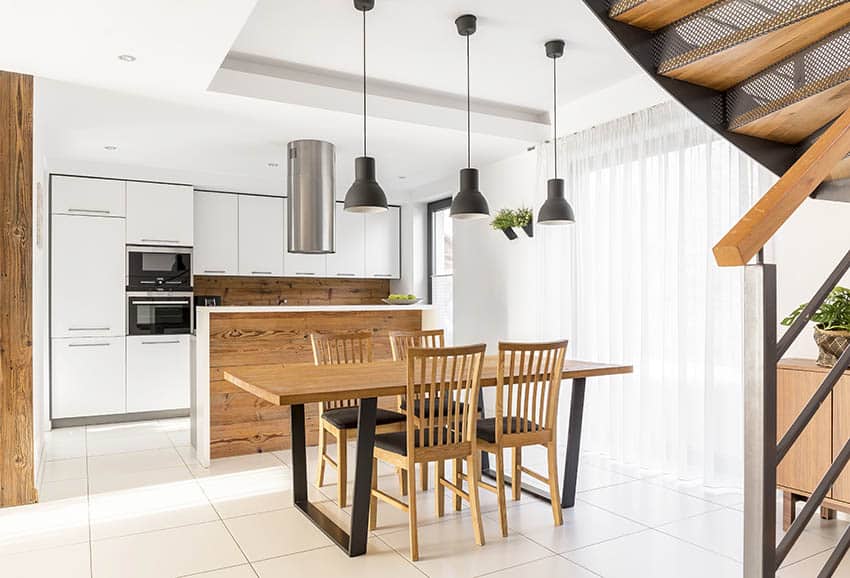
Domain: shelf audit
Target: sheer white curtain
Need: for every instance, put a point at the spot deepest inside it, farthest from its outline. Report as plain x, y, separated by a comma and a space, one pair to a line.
634, 280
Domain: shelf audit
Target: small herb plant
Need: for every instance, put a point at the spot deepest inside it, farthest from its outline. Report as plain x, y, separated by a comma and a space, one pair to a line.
833, 315
523, 216
504, 219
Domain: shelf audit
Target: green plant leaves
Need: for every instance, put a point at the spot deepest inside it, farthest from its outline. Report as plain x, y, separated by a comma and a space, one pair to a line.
833, 315
507, 218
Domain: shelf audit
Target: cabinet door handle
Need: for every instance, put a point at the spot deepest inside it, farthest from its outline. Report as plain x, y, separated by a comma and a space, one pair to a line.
89, 328
89, 344
303, 273
382, 275
160, 342
98, 211
261, 272
174, 241
345, 274
159, 302
214, 271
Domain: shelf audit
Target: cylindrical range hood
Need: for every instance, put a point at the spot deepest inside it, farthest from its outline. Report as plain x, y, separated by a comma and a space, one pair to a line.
312, 201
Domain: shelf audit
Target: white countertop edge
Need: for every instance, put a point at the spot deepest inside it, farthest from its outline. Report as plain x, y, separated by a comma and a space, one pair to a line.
311, 308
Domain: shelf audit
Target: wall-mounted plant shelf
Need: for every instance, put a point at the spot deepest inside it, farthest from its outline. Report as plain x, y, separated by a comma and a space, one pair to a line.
506, 220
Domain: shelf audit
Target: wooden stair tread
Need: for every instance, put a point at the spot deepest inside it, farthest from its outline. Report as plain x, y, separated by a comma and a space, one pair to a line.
841, 171
801, 118
726, 62
653, 15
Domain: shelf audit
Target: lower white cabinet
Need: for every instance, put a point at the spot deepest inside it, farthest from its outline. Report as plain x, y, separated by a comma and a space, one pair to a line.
158, 372
88, 377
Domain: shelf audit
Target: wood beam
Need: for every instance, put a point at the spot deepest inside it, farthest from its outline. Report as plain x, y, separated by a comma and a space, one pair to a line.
762, 221
17, 475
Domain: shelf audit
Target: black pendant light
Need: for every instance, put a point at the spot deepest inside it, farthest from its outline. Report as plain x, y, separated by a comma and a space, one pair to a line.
469, 203
555, 210
365, 194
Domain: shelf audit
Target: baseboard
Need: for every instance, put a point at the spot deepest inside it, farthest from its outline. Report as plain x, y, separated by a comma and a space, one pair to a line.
118, 418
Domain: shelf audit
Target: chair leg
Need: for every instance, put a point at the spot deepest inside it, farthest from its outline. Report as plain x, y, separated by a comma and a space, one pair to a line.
402, 481
423, 474
458, 470
500, 491
439, 490
411, 512
342, 467
373, 500
516, 473
473, 464
554, 492
320, 478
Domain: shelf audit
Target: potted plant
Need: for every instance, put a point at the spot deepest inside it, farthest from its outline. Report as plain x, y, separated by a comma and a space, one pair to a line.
832, 325
525, 219
504, 221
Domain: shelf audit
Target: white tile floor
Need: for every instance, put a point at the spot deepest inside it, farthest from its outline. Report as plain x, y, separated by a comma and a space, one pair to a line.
130, 500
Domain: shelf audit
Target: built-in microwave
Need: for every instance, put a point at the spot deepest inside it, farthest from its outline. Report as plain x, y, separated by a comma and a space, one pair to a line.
159, 313
159, 268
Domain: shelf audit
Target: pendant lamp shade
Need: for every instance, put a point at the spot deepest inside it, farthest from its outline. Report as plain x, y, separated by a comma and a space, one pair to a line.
365, 194
555, 210
469, 204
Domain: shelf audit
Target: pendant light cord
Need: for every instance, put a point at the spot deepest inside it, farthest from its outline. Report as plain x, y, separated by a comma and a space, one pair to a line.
555, 108
364, 83
468, 114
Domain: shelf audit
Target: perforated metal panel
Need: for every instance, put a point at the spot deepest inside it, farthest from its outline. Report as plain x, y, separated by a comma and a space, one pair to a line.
726, 24
817, 68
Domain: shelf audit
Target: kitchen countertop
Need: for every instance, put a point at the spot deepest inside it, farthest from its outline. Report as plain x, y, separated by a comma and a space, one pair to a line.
310, 308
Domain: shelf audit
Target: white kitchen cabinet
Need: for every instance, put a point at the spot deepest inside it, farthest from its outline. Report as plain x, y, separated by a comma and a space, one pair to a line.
382, 245
88, 377
298, 264
88, 279
86, 196
160, 214
348, 261
260, 236
216, 249
158, 372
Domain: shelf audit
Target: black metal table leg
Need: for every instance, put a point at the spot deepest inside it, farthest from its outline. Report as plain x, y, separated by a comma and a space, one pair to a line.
568, 498
568, 495
353, 543
485, 457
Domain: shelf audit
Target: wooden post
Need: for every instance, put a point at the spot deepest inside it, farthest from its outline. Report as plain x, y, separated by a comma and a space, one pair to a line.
17, 476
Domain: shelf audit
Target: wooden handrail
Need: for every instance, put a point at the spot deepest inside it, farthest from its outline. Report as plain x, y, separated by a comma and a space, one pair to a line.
761, 222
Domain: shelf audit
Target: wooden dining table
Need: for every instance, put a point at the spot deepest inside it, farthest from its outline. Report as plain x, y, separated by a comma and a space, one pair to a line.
294, 385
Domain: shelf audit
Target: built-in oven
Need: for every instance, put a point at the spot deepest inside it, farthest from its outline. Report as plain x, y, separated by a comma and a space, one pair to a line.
159, 313
159, 268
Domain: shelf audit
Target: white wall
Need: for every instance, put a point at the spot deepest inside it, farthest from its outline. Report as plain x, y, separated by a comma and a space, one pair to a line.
806, 250
414, 266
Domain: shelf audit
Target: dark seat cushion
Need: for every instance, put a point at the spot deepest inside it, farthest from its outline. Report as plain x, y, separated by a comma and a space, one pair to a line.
346, 417
457, 407
487, 428
396, 442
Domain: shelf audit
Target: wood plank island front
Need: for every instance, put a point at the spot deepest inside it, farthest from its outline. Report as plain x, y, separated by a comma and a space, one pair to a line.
227, 421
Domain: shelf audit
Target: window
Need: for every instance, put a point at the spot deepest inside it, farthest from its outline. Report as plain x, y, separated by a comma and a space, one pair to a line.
440, 263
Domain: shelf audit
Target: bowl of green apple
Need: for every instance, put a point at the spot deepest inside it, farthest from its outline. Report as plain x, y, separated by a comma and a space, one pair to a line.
397, 299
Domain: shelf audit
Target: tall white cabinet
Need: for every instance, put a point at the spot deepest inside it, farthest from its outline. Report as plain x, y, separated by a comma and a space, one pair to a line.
216, 249
261, 236
383, 244
349, 259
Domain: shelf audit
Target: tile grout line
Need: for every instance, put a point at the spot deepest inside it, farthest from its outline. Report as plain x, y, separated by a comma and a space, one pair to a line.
88, 498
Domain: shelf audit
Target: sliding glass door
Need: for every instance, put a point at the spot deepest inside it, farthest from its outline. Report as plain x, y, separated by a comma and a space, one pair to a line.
440, 263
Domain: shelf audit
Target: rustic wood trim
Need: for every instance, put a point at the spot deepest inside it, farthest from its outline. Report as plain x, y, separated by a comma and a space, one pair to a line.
17, 475
292, 290
761, 222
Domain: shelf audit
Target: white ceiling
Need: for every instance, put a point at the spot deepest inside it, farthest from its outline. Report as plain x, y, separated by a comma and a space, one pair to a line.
160, 111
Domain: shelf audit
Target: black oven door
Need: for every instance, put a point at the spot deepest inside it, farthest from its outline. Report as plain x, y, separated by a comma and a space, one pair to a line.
159, 314
159, 269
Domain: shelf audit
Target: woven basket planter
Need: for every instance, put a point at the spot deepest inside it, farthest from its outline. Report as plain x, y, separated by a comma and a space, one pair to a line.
831, 345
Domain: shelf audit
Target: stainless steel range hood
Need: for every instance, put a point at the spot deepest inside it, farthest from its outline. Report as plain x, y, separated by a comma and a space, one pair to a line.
312, 201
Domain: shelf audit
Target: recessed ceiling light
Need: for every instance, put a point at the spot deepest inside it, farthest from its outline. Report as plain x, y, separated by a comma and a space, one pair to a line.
402, 177
111, 147
126, 58
273, 165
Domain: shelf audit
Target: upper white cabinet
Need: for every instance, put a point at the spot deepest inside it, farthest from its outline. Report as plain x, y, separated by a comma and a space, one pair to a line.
260, 235
159, 214
87, 377
158, 372
298, 264
84, 196
88, 278
382, 246
348, 261
216, 249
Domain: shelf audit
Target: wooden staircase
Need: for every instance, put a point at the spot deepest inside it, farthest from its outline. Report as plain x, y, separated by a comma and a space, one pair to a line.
773, 78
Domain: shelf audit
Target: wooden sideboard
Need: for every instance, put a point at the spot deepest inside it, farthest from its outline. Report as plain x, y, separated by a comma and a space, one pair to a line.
815, 449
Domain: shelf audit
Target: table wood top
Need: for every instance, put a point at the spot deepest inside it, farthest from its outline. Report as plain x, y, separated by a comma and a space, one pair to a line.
307, 383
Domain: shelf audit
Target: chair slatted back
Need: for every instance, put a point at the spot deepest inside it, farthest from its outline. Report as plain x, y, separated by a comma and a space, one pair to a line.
401, 341
341, 348
437, 376
528, 402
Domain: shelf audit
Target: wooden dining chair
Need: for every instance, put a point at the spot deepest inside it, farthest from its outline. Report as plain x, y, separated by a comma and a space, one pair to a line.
339, 418
400, 342
528, 384
452, 373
